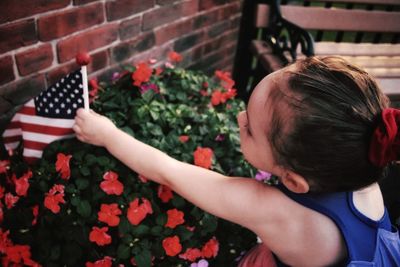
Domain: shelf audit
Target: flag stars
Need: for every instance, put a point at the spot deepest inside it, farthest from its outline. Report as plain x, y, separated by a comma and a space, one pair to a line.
69, 111
74, 105
57, 111
56, 100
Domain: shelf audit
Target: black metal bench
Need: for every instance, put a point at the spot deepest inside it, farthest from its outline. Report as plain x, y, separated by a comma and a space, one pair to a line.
366, 32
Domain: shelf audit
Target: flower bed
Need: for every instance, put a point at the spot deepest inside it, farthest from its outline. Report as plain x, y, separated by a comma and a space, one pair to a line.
79, 206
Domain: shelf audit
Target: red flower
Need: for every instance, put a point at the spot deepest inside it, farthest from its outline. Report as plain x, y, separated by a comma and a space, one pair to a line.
184, 138
4, 240
109, 214
141, 74
4, 165
10, 200
2, 190
111, 185
94, 89
164, 193
136, 212
158, 71
175, 217
226, 80
35, 212
100, 236
105, 262
62, 165
20, 254
203, 157
22, 184
1, 217
172, 245
210, 249
54, 198
191, 254
174, 56
217, 97
204, 92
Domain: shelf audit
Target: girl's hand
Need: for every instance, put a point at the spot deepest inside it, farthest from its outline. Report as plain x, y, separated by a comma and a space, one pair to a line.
93, 128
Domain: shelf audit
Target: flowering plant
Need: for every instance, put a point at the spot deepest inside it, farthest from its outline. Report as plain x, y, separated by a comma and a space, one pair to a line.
79, 206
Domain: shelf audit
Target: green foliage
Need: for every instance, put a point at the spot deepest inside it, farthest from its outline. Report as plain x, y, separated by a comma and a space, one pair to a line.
156, 118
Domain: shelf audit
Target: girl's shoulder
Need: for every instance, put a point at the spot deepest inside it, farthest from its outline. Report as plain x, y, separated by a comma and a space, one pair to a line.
298, 233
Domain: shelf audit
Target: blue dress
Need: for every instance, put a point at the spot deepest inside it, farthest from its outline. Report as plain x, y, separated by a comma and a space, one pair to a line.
369, 242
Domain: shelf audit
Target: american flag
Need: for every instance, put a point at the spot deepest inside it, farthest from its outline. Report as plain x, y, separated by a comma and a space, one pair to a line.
47, 117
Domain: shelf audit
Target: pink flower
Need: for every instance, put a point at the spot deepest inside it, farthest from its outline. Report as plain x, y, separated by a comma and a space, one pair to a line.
10, 200
137, 213
262, 176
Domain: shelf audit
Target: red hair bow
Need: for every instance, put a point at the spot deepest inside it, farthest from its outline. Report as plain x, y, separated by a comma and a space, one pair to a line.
385, 143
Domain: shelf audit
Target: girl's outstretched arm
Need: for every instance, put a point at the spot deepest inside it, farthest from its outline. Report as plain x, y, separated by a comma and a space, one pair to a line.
231, 198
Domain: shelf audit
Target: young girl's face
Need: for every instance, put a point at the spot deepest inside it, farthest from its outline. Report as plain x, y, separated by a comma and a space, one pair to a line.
254, 125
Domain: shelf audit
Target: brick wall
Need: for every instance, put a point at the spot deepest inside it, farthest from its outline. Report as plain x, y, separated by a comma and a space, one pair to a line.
40, 38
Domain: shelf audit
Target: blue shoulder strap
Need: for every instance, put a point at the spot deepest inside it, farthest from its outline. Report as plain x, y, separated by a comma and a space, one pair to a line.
361, 234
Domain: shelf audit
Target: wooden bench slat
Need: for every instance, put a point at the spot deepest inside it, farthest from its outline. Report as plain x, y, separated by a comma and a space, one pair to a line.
342, 19
384, 72
375, 62
390, 86
351, 49
369, 2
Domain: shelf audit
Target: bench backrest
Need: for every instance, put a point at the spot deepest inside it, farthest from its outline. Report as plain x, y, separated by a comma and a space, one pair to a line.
366, 20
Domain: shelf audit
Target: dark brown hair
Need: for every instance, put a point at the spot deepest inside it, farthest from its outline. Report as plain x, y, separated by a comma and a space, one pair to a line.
323, 121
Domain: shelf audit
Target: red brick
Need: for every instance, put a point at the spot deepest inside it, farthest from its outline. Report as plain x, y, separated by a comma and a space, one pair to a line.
63, 23
188, 41
6, 70
23, 90
124, 8
100, 60
229, 11
208, 4
219, 28
56, 74
205, 19
165, 2
130, 28
34, 59
167, 14
86, 41
82, 2
16, 35
126, 50
173, 30
12, 10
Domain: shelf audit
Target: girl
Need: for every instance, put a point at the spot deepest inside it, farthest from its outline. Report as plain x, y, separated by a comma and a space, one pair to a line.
322, 126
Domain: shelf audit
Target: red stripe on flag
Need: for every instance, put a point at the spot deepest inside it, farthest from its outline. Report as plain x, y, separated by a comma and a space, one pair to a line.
11, 139
27, 111
30, 160
45, 129
34, 145
14, 125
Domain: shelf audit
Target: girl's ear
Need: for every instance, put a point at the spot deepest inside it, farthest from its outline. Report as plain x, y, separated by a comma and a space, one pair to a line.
295, 182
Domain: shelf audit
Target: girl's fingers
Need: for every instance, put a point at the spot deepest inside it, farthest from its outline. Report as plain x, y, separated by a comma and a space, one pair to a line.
78, 121
77, 129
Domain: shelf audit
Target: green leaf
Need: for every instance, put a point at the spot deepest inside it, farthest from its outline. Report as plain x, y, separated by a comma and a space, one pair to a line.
178, 202
143, 259
154, 114
148, 96
123, 251
156, 230
103, 161
81, 183
124, 226
83, 208
85, 171
140, 230
161, 219
75, 200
